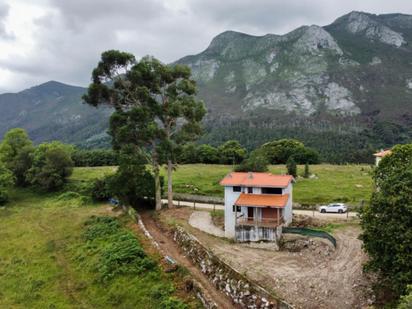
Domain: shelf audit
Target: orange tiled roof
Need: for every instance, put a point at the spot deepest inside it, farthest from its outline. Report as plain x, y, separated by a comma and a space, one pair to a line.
382, 153
256, 180
262, 200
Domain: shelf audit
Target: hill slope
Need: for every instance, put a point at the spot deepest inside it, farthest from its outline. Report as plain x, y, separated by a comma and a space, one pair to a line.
54, 111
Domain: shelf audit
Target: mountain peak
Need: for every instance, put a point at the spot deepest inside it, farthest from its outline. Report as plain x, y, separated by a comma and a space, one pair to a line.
371, 26
222, 39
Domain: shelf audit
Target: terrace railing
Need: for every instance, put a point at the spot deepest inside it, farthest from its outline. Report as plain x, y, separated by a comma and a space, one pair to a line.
264, 222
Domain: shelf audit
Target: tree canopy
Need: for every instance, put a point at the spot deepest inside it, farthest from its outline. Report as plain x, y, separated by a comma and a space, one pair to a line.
231, 152
16, 152
387, 221
6, 181
52, 164
279, 151
155, 105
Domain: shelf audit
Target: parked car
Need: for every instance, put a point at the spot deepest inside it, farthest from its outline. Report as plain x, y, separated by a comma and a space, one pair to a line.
333, 207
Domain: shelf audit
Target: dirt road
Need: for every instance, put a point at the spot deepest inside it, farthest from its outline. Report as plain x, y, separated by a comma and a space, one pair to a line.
307, 279
311, 278
311, 213
170, 248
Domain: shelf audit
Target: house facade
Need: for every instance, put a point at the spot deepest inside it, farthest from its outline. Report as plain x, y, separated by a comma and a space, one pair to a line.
257, 205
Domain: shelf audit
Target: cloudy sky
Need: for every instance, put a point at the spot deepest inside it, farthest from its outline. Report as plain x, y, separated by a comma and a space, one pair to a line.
43, 40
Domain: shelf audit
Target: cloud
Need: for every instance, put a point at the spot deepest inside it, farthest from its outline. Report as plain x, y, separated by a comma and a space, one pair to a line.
4, 12
63, 40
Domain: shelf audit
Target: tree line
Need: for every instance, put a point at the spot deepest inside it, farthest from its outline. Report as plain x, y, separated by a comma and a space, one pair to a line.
45, 167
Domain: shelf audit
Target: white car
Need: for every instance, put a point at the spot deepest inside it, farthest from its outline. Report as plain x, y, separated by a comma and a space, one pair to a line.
334, 207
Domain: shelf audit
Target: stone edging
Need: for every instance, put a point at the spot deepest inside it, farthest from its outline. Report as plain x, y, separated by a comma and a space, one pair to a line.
240, 289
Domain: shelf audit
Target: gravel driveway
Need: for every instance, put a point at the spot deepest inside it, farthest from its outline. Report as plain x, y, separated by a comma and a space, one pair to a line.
203, 221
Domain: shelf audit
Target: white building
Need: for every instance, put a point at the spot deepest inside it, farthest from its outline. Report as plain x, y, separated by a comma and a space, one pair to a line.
379, 155
257, 205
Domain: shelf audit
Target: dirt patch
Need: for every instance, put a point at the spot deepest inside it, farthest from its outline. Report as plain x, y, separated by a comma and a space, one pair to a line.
309, 278
163, 236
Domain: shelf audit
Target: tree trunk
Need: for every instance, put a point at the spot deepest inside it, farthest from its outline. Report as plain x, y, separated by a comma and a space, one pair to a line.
169, 184
158, 195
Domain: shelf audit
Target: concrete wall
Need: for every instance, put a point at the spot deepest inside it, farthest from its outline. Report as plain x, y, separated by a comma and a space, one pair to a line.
230, 216
287, 211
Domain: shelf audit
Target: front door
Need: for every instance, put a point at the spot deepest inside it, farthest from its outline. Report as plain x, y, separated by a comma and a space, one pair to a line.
250, 213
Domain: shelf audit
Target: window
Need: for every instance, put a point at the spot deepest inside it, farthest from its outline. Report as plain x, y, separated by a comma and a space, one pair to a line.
237, 189
236, 208
249, 190
271, 190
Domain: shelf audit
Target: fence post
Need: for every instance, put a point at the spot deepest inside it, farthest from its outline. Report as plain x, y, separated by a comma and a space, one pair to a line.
178, 203
194, 205
347, 212
313, 211
214, 207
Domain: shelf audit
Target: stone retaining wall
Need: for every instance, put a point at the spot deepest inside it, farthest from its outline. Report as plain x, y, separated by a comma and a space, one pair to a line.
241, 290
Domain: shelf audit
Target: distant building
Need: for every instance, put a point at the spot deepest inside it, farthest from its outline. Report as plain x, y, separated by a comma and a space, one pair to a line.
379, 155
257, 205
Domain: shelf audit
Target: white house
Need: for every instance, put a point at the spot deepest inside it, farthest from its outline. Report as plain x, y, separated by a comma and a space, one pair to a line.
257, 205
379, 155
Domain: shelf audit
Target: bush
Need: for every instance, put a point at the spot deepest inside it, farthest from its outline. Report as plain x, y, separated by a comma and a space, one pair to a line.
52, 165
133, 183
6, 181
98, 227
124, 255
291, 167
101, 190
172, 303
16, 151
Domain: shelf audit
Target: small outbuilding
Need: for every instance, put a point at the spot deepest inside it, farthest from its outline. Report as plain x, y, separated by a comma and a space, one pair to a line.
380, 154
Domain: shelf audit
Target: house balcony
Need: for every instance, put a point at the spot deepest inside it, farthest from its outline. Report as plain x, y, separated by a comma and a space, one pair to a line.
263, 222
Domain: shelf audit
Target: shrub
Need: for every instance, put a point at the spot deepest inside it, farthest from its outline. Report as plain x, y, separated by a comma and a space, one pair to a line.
52, 165
101, 190
172, 303
6, 181
98, 227
291, 167
123, 255
16, 151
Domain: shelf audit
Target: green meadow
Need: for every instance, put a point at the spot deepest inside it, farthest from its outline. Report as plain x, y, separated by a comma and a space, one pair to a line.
329, 183
49, 258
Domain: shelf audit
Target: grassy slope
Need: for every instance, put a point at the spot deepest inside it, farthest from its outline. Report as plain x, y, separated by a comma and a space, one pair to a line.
347, 183
43, 264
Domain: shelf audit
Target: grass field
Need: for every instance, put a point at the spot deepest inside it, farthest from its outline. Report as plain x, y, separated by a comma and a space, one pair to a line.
331, 183
45, 261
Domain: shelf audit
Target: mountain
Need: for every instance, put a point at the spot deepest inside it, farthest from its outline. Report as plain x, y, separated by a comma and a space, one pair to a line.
345, 86
54, 111
344, 89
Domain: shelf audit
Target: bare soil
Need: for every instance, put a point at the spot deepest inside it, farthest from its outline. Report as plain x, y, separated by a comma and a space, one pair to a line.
162, 235
318, 277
